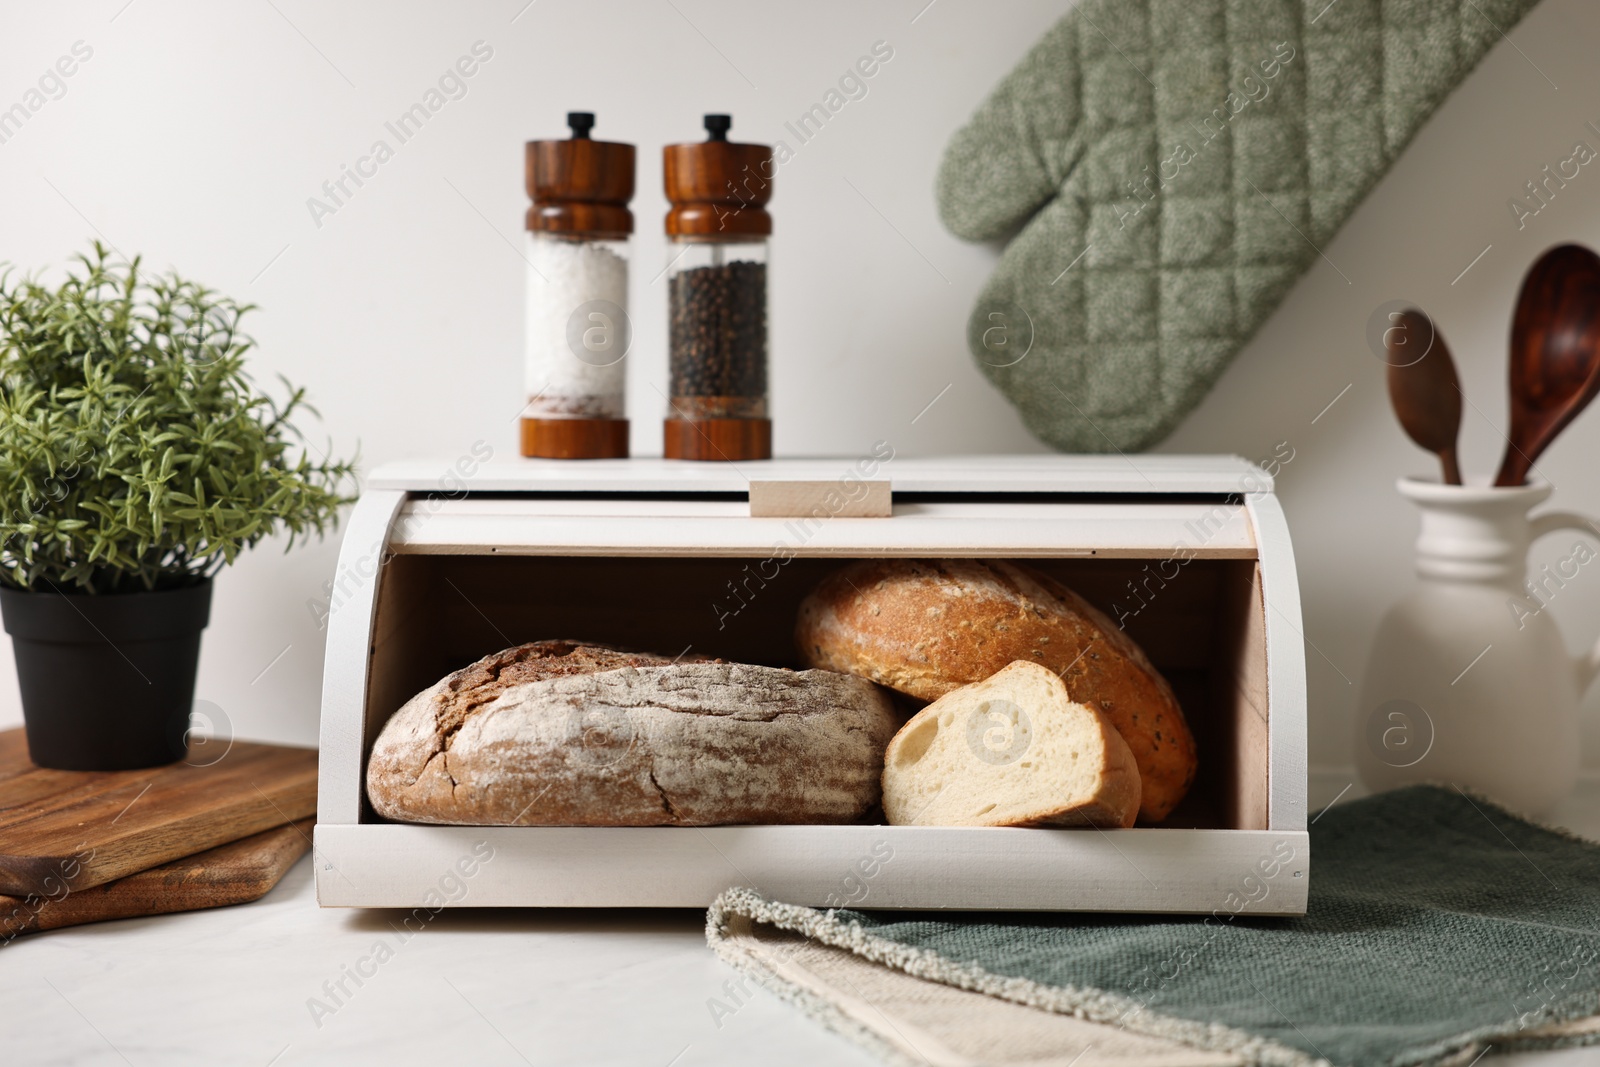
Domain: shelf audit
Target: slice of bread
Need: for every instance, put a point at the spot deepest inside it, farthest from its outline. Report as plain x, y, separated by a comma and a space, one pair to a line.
1012, 750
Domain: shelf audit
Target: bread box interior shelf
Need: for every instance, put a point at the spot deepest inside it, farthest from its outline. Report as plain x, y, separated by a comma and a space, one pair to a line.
442, 565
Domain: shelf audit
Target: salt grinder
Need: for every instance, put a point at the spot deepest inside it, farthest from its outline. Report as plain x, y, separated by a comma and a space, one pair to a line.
578, 329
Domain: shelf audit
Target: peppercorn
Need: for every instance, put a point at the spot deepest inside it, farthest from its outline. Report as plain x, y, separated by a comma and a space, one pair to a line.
718, 334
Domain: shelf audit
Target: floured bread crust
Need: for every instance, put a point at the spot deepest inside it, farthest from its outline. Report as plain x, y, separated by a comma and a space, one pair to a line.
592, 736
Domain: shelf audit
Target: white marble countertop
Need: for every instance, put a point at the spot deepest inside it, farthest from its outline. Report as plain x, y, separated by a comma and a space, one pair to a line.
234, 986
240, 985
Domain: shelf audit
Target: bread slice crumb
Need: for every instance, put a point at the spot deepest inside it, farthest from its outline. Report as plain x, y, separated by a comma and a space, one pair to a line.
1012, 750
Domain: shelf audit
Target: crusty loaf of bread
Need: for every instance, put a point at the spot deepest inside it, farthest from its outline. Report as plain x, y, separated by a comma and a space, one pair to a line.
1013, 750
591, 741
925, 627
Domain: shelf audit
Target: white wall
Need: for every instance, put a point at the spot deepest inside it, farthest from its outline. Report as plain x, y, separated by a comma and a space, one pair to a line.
197, 132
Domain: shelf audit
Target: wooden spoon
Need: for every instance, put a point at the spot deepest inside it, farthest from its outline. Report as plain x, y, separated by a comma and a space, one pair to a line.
1425, 391
1555, 354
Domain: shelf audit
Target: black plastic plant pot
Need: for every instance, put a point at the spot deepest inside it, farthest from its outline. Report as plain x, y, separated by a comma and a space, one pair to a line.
107, 680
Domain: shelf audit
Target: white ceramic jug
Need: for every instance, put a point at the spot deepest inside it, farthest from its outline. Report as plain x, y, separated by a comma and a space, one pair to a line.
1469, 682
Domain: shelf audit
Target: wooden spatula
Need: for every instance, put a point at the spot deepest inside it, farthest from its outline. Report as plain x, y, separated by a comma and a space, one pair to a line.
1555, 354
1424, 388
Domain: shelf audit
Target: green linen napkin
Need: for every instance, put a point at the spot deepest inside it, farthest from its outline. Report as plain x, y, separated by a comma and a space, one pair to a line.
1437, 924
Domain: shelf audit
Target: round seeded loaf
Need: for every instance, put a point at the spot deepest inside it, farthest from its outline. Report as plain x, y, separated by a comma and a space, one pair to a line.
1013, 750
926, 627
598, 737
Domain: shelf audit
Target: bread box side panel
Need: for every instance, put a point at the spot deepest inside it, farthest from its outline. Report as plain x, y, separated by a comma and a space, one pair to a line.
351, 611
1285, 650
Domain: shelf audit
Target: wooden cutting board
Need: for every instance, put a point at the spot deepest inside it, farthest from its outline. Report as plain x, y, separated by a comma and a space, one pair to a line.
78, 829
232, 874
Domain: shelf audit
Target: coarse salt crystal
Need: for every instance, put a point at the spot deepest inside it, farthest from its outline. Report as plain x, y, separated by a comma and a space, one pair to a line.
577, 329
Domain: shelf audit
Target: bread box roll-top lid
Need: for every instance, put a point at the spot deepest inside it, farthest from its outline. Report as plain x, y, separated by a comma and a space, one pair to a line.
580, 187
719, 189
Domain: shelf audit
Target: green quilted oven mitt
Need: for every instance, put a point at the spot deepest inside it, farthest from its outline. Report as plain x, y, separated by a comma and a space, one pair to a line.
1173, 166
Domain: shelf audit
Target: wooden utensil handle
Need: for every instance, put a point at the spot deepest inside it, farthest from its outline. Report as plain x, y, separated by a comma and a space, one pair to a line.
1452, 469
1513, 468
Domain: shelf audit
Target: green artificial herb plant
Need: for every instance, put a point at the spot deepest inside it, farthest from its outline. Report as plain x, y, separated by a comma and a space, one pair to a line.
135, 452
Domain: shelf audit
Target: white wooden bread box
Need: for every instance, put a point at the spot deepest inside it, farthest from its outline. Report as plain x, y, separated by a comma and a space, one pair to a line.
442, 564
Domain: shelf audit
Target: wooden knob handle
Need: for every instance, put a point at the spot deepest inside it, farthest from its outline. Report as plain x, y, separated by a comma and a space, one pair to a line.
718, 188
580, 186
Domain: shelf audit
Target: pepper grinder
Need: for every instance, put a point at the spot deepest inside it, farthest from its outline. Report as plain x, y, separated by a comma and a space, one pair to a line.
717, 257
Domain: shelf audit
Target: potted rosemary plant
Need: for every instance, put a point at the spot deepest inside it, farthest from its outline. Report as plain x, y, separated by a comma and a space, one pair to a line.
137, 458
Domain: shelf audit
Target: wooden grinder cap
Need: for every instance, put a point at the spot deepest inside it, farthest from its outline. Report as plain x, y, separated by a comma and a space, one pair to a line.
718, 189
580, 186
